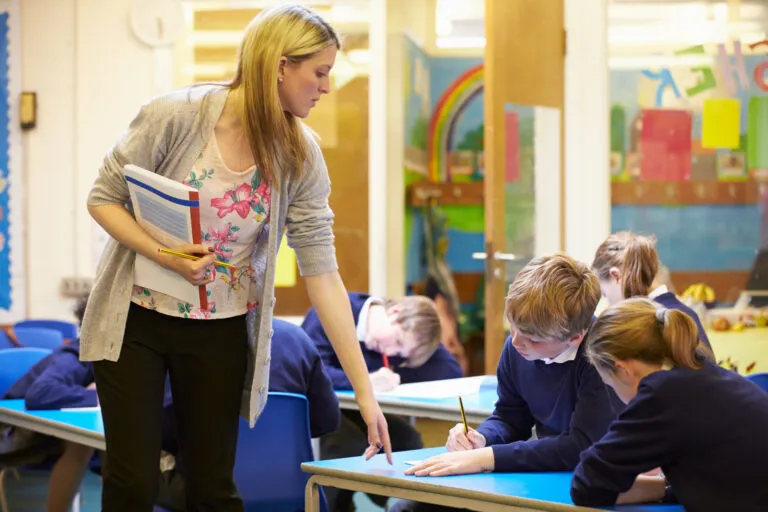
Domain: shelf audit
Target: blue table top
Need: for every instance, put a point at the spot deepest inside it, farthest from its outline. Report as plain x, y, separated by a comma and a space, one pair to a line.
545, 487
88, 420
483, 401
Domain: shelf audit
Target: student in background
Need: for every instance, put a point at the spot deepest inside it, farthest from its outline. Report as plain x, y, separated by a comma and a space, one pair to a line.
627, 265
545, 380
57, 381
705, 426
296, 367
401, 343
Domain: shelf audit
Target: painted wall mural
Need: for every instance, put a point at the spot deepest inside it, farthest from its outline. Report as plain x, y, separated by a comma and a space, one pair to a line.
702, 121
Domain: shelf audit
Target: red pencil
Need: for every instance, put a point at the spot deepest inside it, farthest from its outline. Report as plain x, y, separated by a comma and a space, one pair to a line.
386, 361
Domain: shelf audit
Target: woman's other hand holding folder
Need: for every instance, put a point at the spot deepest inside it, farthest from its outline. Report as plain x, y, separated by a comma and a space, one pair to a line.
197, 272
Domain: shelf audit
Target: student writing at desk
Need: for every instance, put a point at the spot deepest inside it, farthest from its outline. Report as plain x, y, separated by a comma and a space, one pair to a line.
705, 426
544, 380
296, 368
403, 334
627, 266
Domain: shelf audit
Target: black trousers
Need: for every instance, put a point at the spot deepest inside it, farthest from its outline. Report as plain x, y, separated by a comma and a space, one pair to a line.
206, 363
351, 440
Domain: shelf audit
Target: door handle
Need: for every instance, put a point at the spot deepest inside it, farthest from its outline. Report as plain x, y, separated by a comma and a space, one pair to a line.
500, 256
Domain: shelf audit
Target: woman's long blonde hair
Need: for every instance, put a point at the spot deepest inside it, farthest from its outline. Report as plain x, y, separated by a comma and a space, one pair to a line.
640, 329
276, 137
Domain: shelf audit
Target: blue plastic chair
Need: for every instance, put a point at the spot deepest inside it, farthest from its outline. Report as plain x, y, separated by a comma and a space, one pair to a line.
5, 340
269, 457
15, 362
38, 337
68, 330
761, 379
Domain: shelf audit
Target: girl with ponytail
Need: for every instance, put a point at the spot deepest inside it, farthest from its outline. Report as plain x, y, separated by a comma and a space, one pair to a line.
626, 265
702, 424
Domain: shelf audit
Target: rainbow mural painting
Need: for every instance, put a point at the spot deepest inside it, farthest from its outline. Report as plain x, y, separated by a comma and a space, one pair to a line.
447, 111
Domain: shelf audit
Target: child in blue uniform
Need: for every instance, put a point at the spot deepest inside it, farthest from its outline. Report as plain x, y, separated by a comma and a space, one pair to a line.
545, 380
627, 266
703, 425
58, 380
401, 343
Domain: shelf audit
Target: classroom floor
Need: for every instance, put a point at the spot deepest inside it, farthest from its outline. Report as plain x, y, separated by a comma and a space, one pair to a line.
28, 494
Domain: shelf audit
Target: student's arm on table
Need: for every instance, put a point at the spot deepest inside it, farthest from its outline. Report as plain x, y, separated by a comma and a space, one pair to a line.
592, 414
65, 383
640, 440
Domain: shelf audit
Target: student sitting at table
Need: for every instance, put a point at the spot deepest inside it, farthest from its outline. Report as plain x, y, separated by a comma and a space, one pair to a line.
57, 381
544, 380
401, 343
627, 265
705, 426
296, 367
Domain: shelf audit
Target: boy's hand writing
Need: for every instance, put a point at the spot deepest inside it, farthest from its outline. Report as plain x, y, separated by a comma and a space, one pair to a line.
384, 379
459, 441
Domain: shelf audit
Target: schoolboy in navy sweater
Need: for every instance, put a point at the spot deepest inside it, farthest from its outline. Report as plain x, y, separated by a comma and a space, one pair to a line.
703, 425
544, 380
406, 333
418, 335
627, 266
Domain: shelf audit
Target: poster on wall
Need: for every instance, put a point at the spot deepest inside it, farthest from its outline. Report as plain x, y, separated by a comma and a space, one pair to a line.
5, 185
12, 282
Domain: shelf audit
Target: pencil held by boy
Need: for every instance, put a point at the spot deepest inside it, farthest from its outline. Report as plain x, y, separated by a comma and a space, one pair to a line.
544, 380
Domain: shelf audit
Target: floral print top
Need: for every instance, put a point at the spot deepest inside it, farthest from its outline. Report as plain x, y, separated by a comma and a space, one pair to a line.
234, 209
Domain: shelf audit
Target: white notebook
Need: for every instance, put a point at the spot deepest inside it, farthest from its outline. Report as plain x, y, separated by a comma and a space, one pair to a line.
170, 212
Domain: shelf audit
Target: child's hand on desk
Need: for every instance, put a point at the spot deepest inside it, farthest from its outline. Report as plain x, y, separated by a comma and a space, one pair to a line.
459, 441
455, 463
384, 380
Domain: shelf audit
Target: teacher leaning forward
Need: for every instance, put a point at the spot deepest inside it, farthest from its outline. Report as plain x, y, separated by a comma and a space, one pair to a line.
257, 169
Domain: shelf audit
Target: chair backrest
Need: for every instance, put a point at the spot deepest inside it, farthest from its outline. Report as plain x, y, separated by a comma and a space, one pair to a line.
268, 466
5, 340
68, 330
761, 379
15, 362
38, 337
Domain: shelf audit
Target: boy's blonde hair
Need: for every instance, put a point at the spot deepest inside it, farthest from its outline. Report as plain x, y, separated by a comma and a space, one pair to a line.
418, 316
634, 255
642, 330
553, 298
277, 139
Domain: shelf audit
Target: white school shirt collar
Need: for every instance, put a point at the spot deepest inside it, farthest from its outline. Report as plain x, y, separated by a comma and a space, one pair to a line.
661, 290
362, 320
566, 355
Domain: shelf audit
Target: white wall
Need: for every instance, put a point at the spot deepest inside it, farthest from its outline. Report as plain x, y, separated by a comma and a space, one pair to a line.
90, 76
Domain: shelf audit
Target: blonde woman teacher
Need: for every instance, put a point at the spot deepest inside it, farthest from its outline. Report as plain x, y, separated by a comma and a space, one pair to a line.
258, 170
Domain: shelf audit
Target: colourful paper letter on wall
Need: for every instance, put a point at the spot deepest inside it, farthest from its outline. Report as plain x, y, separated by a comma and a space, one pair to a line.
757, 134
721, 124
665, 145
285, 271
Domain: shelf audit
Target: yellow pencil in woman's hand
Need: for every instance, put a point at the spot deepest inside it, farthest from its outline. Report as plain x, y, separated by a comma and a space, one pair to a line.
193, 257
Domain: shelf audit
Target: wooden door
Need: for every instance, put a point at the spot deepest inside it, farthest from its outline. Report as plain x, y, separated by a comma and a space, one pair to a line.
524, 66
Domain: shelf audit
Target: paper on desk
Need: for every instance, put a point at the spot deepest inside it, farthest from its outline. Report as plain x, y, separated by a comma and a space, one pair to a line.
449, 388
81, 409
412, 462
170, 212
